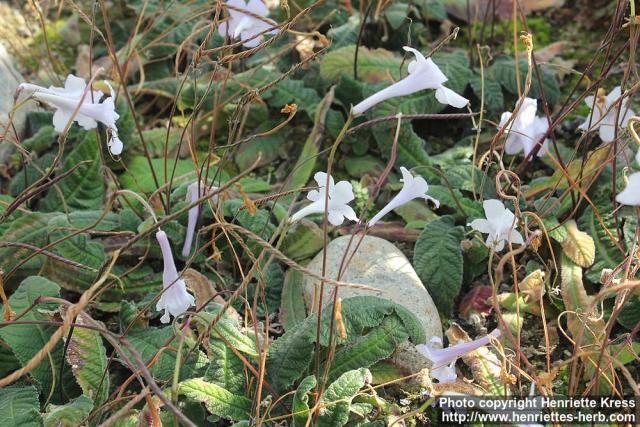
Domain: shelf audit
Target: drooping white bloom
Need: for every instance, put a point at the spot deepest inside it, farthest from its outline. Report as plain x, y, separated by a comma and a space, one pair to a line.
631, 195
443, 359
500, 225
340, 195
194, 192
526, 129
413, 188
90, 111
423, 74
242, 26
603, 105
175, 299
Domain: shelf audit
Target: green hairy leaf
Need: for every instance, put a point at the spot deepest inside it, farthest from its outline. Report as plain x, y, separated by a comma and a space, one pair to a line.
292, 312
19, 406
88, 359
377, 345
148, 342
87, 255
374, 326
300, 408
374, 65
69, 415
336, 401
438, 261
229, 329
218, 401
31, 229
503, 70
226, 369
84, 188
27, 340
290, 355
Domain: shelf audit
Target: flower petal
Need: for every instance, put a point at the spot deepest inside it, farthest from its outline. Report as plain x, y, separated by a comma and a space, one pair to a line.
335, 218
446, 96
60, 119
115, 145
257, 7
445, 374
418, 62
607, 128
504, 118
499, 244
75, 84
493, 209
224, 30
342, 193
589, 101
407, 177
516, 237
321, 179
314, 195
250, 43
348, 212
85, 122
591, 122
631, 195
612, 97
481, 225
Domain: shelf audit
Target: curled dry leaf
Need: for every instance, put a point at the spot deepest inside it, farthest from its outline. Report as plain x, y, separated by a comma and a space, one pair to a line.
532, 287
578, 245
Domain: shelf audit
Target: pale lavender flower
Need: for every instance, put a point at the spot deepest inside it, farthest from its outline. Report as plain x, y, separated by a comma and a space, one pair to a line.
194, 192
500, 225
175, 299
340, 195
526, 129
604, 105
242, 26
90, 110
631, 194
443, 359
423, 74
413, 188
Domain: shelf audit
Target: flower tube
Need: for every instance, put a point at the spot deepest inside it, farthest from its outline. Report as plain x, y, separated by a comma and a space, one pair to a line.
413, 188
175, 299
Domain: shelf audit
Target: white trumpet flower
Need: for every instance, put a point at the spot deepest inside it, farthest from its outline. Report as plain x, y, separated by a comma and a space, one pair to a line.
194, 192
175, 299
66, 100
243, 26
413, 188
500, 225
423, 74
526, 129
603, 105
340, 195
631, 194
443, 359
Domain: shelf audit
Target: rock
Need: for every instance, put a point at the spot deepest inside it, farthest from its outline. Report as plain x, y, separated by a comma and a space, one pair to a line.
379, 265
10, 79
